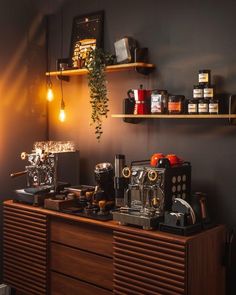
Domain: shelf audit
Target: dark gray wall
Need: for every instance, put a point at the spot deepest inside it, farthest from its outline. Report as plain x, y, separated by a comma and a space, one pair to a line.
22, 87
182, 37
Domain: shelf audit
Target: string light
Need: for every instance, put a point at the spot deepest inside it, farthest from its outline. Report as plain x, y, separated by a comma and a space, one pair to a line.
62, 114
50, 94
49, 91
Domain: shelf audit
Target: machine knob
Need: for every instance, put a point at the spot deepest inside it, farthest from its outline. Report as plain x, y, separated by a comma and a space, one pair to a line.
152, 175
23, 155
126, 172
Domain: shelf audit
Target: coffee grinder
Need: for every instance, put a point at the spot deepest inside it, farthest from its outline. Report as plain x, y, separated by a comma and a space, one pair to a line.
104, 194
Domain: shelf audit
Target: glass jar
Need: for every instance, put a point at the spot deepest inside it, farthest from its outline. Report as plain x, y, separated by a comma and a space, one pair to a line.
203, 106
159, 101
175, 104
198, 91
214, 106
204, 77
208, 91
193, 106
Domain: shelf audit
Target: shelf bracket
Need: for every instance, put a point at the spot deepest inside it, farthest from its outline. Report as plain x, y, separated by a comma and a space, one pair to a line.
144, 70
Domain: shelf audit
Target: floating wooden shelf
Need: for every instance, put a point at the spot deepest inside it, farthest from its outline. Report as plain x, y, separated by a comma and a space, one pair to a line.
181, 116
113, 68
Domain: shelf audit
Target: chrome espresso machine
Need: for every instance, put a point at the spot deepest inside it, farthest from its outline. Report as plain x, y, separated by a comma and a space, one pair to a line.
41, 171
149, 190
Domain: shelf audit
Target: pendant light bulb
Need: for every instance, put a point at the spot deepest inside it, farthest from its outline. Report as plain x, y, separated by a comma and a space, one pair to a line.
62, 114
50, 94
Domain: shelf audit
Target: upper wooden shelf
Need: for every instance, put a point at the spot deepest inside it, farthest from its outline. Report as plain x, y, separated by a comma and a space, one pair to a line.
109, 69
180, 116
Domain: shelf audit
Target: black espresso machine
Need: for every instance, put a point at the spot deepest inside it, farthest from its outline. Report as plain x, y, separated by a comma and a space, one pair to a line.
148, 191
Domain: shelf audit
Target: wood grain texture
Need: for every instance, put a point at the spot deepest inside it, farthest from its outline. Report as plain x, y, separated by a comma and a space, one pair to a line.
86, 237
109, 69
205, 263
82, 265
145, 262
148, 266
179, 240
61, 285
25, 250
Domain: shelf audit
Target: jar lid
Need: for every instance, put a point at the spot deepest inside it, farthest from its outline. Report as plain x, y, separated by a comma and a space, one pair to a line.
197, 86
204, 71
203, 100
193, 100
176, 97
208, 85
162, 91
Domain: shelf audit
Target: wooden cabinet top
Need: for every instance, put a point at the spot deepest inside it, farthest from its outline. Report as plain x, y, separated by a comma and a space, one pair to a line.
113, 225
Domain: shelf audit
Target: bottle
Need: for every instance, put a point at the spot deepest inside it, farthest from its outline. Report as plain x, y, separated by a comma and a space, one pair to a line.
203, 106
208, 91
198, 91
193, 106
213, 106
204, 77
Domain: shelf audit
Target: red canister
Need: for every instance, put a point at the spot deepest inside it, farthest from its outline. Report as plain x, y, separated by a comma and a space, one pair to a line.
142, 100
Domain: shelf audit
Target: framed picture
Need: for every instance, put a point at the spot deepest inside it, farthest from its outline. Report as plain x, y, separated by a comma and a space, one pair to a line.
87, 33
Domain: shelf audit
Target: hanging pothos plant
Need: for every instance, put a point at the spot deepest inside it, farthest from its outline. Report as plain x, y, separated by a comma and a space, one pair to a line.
95, 63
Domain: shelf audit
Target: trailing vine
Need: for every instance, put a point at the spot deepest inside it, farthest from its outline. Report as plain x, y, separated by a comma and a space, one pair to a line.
95, 63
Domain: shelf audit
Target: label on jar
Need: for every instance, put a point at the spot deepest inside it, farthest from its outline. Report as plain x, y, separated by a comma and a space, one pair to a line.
203, 78
156, 103
174, 107
192, 108
208, 92
197, 93
203, 108
213, 108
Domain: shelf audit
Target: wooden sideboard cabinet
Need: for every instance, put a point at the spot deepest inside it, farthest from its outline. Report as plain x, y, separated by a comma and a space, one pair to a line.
51, 253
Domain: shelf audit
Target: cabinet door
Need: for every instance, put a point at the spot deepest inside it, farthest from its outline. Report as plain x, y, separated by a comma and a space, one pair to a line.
82, 265
25, 250
148, 266
82, 236
63, 285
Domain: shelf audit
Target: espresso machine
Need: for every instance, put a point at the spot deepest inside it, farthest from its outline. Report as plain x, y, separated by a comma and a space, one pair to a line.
41, 171
150, 192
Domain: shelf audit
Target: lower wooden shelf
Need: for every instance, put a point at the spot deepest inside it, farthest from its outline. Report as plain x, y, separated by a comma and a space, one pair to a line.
180, 116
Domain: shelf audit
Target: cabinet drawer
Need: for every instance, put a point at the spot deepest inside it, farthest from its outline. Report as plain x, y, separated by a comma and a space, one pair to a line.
82, 236
82, 265
62, 285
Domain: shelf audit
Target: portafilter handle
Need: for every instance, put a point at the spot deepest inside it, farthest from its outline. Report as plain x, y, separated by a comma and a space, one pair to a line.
16, 174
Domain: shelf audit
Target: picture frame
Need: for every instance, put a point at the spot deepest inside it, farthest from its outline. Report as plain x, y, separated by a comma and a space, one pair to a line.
87, 33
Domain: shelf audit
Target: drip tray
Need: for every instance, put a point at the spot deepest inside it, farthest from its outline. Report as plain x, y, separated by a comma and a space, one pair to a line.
147, 223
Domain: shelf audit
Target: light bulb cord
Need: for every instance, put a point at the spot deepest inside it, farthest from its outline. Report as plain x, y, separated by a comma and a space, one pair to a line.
62, 98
